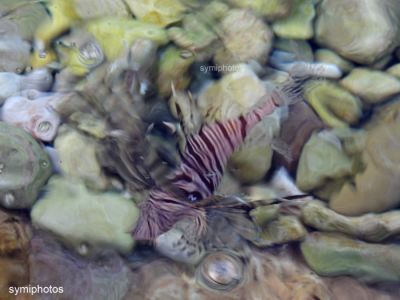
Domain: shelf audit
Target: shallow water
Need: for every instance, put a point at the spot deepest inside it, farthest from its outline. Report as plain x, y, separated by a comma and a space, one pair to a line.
185, 149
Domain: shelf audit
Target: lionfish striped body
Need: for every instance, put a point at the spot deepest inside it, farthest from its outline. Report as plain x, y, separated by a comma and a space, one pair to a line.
200, 173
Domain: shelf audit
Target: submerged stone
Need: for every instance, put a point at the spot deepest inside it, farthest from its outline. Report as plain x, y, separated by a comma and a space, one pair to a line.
173, 69
77, 154
321, 159
298, 25
159, 12
86, 221
24, 167
362, 31
394, 70
368, 227
271, 9
372, 86
284, 229
336, 255
116, 34
334, 105
245, 36
375, 187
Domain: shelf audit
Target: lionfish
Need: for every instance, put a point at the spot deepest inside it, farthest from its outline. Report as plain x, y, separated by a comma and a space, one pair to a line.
202, 166
188, 191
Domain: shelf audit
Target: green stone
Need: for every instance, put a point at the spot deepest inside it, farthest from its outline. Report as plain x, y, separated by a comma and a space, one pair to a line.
24, 167
337, 255
335, 106
86, 221
372, 86
271, 9
362, 31
299, 24
322, 159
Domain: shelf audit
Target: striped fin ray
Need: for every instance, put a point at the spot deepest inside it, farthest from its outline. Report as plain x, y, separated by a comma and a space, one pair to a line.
206, 153
160, 211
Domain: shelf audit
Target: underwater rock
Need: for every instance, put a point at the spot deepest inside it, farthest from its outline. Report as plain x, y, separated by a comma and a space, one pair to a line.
250, 165
79, 52
104, 277
14, 272
22, 17
25, 167
297, 50
15, 234
33, 112
199, 31
181, 244
251, 162
369, 227
335, 255
271, 9
322, 158
89, 124
299, 23
143, 55
77, 154
386, 113
362, 31
394, 70
84, 220
344, 288
333, 104
173, 70
43, 58
372, 86
115, 35
232, 95
11, 84
14, 53
158, 12
375, 187
295, 131
264, 214
382, 63
89, 9
284, 229
330, 57
245, 38
63, 15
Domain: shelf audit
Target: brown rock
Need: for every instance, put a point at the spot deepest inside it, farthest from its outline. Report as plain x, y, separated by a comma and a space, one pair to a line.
295, 131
